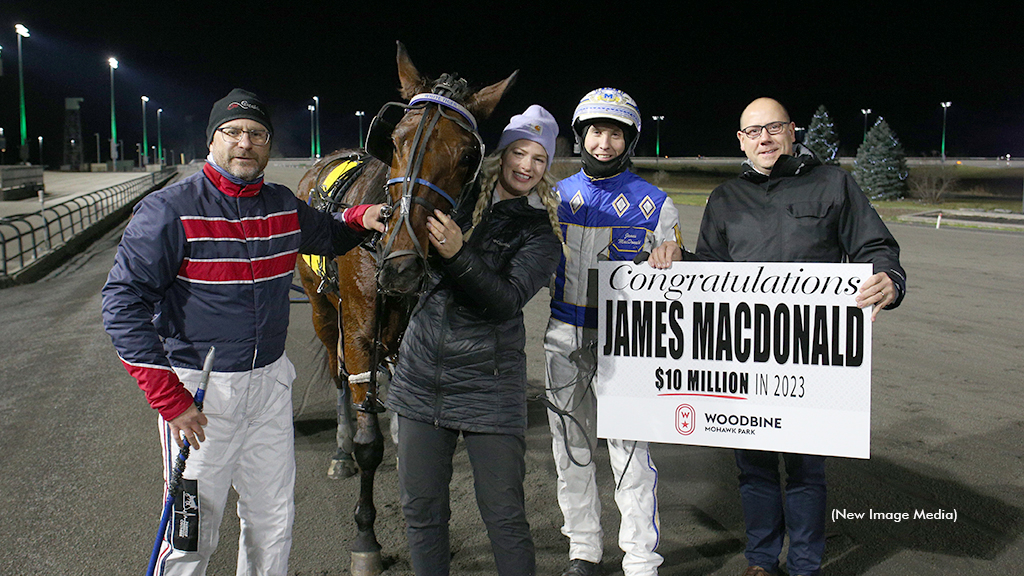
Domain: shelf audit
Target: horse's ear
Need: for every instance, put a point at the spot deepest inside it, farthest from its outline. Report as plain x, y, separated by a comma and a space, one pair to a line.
484, 101
412, 82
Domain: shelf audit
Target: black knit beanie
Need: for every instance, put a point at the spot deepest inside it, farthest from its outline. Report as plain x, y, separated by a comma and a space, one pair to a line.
238, 104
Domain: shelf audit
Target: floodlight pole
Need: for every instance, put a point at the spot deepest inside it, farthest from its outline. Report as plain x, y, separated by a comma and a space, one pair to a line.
113, 118
865, 112
316, 101
22, 32
145, 139
945, 106
657, 140
312, 131
159, 139
360, 114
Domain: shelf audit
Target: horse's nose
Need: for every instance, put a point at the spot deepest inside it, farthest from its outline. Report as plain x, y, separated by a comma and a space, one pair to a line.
402, 275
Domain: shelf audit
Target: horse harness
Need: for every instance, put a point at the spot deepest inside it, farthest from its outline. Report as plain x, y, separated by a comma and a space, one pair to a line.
327, 197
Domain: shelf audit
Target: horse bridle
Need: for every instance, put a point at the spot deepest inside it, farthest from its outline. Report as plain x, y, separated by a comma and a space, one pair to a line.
383, 150
379, 144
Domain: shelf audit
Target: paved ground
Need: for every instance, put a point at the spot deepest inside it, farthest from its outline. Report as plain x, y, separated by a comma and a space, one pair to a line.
62, 186
80, 480
968, 218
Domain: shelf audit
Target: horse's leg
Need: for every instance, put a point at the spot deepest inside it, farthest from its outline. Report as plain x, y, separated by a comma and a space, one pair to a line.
367, 442
369, 452
326, 325
342, 464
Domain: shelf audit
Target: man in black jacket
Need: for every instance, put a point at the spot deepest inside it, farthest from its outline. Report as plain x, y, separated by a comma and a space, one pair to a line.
788, 207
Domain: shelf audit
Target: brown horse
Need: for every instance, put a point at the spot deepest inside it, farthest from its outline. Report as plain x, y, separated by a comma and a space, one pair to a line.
428, 153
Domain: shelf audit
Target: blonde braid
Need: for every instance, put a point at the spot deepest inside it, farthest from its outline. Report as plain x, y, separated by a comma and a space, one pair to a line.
488, 177
549, 196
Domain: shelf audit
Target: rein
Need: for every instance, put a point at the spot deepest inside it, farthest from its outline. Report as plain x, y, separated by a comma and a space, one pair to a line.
464, 119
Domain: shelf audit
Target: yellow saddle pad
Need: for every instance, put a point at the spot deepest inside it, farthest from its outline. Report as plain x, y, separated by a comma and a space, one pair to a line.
318, 263
338, 171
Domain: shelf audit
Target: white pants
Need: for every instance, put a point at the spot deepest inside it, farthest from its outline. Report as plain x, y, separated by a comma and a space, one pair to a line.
571, 363
249, 446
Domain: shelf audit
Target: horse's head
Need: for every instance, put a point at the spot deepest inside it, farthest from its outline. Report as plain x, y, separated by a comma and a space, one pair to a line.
434, 149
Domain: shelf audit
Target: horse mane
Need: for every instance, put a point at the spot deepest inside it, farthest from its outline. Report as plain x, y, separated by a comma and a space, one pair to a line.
450, 85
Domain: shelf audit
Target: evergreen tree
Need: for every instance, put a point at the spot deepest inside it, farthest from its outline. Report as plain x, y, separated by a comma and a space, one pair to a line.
821, 137
881, 165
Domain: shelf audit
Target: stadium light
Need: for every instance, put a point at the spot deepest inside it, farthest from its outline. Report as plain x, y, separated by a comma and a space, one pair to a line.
657, 140
316, 104
312, 131
145, 139
360, 114
159, 140
22, 32
945, 106
113, 118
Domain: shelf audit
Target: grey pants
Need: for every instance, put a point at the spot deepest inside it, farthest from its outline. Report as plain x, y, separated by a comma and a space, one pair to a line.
425, 472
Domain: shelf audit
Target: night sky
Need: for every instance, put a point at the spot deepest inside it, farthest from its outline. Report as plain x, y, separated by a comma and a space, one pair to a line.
696, 64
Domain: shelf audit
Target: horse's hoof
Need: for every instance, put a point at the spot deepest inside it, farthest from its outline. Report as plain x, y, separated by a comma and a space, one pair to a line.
366, 564
342, 468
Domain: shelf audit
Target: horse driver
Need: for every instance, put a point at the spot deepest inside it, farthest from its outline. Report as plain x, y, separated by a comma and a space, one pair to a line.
606, 212
208, 262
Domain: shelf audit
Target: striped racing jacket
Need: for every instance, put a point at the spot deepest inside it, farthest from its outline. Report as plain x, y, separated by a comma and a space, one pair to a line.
208, 262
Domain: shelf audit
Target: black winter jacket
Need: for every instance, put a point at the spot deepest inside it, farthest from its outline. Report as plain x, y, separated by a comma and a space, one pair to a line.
803, 212
461, 364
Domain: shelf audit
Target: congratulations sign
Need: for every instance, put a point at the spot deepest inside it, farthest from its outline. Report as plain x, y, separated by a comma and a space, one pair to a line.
764, 356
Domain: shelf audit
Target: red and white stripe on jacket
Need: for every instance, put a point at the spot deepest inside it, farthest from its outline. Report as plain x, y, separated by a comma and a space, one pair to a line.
207, 262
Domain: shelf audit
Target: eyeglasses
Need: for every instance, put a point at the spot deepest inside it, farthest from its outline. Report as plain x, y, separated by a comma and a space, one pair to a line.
754, 132
257, 137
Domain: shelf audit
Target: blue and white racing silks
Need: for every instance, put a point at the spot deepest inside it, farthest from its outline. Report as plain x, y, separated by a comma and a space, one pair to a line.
614, 218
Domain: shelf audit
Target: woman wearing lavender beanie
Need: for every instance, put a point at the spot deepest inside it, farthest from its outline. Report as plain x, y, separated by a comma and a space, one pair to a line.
462, 365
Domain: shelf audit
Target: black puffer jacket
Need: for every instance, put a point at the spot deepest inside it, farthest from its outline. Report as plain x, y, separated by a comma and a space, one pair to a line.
462, 363
803, 212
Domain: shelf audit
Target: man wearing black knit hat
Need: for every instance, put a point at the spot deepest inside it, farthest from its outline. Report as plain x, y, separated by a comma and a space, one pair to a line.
238, 113
207, 262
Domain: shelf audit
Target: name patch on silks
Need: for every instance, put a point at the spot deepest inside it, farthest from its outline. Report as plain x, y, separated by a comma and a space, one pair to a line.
628, 241
185, 524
